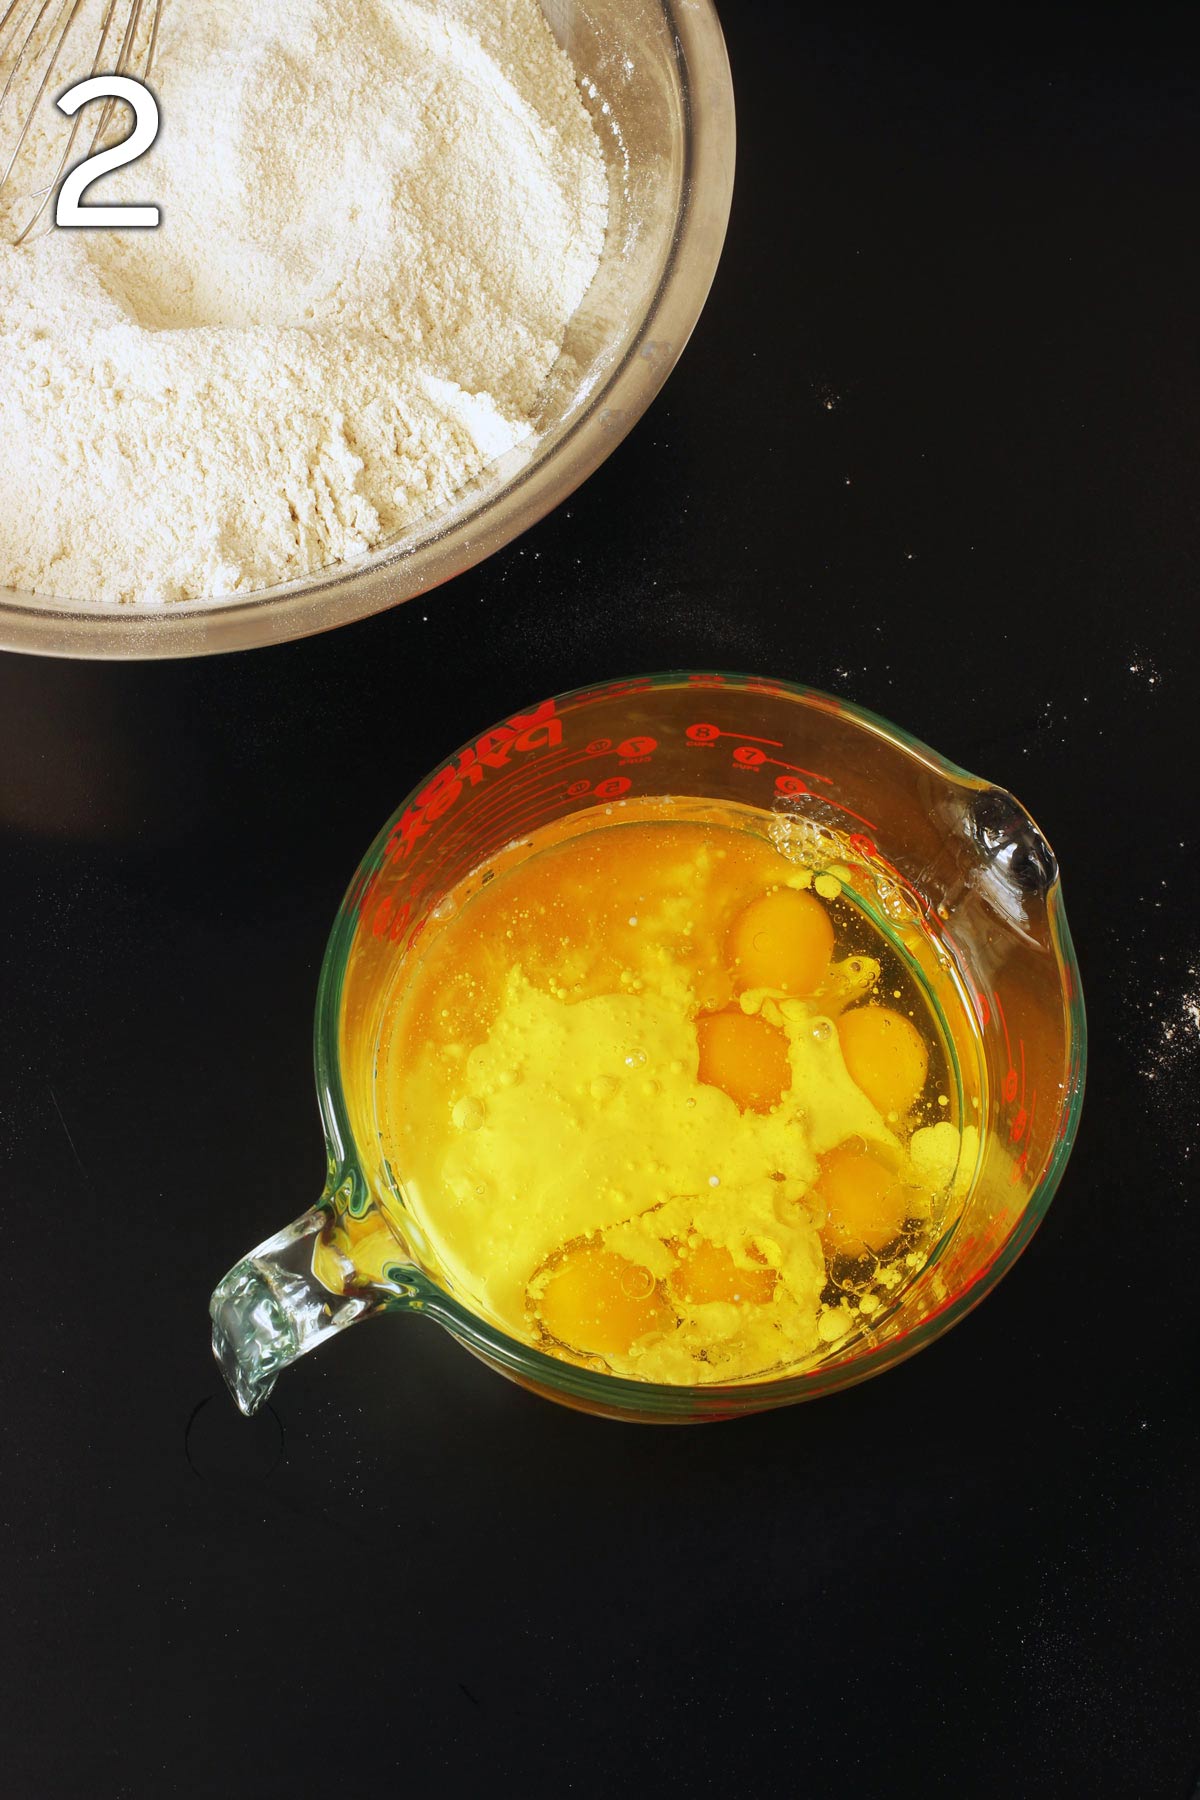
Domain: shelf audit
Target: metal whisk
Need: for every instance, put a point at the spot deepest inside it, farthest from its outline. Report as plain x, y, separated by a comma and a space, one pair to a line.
46, 45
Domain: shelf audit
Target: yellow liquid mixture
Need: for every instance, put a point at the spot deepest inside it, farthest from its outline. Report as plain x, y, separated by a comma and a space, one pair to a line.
660, 1102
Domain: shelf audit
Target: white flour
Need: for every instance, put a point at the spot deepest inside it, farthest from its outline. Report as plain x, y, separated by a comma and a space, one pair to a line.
378, 218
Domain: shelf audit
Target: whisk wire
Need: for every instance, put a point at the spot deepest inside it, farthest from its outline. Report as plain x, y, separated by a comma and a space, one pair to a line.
43, 194
125, 61
45, 82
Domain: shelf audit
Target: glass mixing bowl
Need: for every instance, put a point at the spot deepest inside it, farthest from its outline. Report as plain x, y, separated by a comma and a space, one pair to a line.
655, 77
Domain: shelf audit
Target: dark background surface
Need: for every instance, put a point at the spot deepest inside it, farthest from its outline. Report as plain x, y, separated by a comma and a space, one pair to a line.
934, 447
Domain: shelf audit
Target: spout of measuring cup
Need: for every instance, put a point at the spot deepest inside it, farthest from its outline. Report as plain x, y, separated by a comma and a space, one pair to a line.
1010, 845
996, 864
273, 1307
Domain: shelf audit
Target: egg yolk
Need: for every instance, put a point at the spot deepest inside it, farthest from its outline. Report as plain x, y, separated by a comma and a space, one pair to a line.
783, 940
884, 1055
600, 1302
745, 1056
865, 1203
707, 1272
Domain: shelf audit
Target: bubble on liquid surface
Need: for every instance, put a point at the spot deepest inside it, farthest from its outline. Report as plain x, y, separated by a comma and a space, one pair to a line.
635, 1059
468, 1113
637, 1283
833, 1324
603, 1087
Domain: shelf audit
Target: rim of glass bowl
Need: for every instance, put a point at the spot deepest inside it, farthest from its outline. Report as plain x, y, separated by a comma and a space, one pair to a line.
617, 1393
464, 534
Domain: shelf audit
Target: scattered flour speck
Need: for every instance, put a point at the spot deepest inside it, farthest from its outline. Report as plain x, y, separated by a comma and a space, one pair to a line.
1173, 1040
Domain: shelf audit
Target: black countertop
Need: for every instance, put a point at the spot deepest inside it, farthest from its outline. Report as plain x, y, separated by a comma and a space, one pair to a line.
933, 447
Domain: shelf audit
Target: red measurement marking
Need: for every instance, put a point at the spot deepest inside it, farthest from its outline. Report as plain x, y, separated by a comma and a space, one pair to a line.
708, 734
637, 746
517, 797
850, 813
459, 850
1014, 1090
499, 824
491, 804
465, 858
528, 808
748, 758
813, 775
1003, 1027
521, 822
537, 808
867, 848
523, 733
500, 798
1010, 1080
598, 695
787, 784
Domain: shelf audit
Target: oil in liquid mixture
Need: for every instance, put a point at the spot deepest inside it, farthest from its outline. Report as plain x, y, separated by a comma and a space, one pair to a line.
660, 1102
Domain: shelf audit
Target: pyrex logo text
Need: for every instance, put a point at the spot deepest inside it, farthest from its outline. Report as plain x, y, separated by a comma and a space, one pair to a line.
537, 730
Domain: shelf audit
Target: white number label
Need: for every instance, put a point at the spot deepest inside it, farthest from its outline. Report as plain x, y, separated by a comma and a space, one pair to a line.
103, 162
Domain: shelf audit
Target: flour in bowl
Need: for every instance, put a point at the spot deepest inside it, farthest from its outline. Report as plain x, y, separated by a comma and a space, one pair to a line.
378, 217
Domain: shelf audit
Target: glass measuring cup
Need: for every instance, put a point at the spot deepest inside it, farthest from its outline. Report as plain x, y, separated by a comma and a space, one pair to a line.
955, 869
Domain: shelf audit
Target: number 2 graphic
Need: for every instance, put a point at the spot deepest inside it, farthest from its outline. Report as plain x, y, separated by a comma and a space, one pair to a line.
68, 211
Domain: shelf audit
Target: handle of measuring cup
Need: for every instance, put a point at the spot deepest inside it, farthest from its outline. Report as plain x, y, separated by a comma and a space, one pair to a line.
302, 1286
